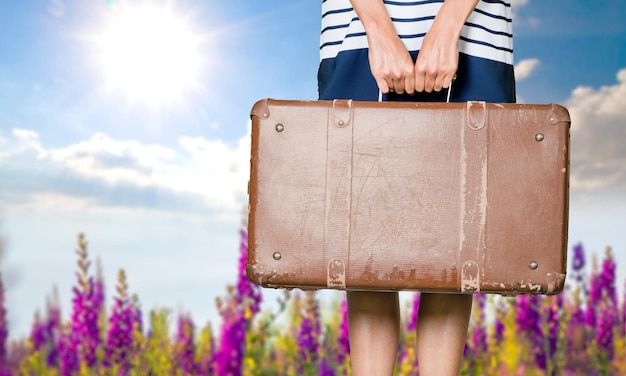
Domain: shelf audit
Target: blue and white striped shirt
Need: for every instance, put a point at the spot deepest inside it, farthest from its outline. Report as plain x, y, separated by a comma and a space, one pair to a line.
487, 33
486, 37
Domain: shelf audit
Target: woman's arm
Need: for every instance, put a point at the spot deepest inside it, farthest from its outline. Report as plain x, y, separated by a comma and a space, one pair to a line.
438, 59
390, 62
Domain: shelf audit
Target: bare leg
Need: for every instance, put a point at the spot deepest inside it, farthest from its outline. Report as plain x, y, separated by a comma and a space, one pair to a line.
374, 327
441, 332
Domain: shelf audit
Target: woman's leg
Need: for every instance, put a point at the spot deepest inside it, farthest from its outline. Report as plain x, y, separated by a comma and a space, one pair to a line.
374, 327
441, 332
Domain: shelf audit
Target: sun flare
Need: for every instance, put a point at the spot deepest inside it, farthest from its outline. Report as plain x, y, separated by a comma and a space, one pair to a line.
151, 54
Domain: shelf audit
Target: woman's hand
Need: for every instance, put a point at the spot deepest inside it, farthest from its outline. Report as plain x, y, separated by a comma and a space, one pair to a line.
390, 63
437, 61
438, 58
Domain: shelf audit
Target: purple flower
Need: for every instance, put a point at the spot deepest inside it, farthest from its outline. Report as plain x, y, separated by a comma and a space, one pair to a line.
479, 333
501, 312
84, 335
4, 332
578, 260
248, 293
185, 346
604, 330
68, 360
593, 299
529, 325
344, 337
44, 332
119, 342
53, 327
38, 333
577, 339
310, 330
237, 312
623, 326
228, 358
498, 330
325, 369
552, 316
576, 324
607, 278
307, 342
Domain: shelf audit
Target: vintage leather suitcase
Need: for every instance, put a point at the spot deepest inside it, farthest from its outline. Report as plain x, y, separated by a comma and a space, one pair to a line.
443, 197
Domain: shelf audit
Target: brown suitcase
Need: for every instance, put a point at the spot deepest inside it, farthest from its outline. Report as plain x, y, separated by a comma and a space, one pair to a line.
446, 197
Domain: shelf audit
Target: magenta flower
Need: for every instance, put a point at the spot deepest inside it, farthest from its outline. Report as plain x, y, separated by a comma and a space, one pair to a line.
84, 336
119, 342
607, 278
245, 298
415, 306
68, 359
185, 346
228, 358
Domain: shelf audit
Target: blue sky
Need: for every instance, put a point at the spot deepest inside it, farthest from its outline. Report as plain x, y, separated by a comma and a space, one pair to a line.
159, 188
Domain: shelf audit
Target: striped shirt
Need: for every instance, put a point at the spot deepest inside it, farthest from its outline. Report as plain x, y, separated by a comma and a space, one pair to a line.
485, 67
487, 33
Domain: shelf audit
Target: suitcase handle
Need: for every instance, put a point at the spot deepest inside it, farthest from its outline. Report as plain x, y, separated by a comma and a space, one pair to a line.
380, 93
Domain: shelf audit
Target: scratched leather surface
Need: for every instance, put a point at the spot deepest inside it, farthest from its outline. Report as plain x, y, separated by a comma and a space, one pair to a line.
460, 197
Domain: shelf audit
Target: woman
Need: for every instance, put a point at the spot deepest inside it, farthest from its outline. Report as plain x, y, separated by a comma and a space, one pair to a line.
411, 50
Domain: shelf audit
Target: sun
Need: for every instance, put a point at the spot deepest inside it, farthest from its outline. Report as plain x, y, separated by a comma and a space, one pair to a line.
150, 54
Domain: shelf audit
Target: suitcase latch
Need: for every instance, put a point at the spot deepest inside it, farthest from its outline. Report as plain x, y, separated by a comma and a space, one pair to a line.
336, 277
342, 112
476, 114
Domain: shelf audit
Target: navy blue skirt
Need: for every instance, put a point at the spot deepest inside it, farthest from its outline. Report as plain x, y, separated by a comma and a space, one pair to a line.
348, 76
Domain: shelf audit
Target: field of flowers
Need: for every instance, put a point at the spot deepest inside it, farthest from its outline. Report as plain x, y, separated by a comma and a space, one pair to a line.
579, 332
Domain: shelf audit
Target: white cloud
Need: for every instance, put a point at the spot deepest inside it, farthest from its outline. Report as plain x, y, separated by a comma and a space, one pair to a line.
598, 155
200, 175
524, 68
518, 3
